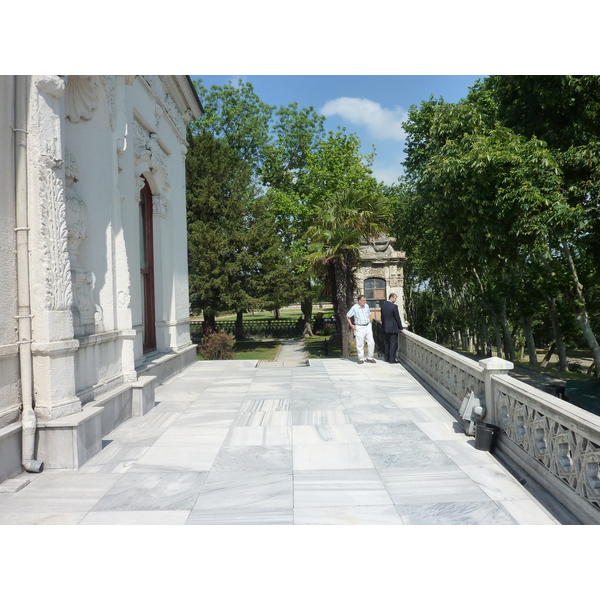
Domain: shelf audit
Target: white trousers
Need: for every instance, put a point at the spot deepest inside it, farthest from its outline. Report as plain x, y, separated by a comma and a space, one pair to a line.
364, 333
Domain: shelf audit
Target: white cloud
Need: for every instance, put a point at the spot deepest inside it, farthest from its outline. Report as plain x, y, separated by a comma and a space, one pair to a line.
389, 175
383, 123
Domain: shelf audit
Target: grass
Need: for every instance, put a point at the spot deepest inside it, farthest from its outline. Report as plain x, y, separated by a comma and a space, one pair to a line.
284, 313
253, 350
335, 347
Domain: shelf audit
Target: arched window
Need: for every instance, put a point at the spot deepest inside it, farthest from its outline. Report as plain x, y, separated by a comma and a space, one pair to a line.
147, 268
375, 293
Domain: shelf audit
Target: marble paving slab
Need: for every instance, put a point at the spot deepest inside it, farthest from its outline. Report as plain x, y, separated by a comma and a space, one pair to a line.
114, 458
380, 433
308, 457
527, 512
274, 418
406, 454
265, 404
246, 490
496, 482
431, 485
259, 436
443, 430
253, 458
69, 485
325, 434
195, 435
369, 415
136, 517
241, 516
339, 487
172, 406
139, 436
428, 413
198, 417
316, 402
347, 515
319, 417
454, 513
178, 457
153, 491
463, 452
42, 518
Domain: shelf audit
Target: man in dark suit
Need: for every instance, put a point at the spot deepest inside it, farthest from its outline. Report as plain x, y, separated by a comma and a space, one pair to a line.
390, 319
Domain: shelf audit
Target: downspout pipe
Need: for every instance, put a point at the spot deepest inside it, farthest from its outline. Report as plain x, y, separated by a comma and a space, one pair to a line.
28, 420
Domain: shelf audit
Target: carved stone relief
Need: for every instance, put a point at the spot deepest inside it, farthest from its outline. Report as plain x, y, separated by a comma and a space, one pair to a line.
87, 315
81, 97
54, 235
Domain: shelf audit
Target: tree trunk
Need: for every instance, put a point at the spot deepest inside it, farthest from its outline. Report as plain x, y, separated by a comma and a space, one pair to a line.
527, 329
581, 310
341, 292
307, 308
239, 325
548, 355
276, 313
209, 325
560, 347
509, 349
498, 338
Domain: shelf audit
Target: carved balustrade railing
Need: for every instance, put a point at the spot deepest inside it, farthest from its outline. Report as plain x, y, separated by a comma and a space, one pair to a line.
556, 443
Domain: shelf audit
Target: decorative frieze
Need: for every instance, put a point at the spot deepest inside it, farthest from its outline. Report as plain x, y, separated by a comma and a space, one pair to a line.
54, 235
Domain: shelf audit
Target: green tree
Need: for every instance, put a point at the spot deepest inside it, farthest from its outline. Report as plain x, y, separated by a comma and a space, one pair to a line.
341, 222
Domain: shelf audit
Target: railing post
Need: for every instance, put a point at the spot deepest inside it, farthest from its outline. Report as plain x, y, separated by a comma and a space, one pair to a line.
492, 366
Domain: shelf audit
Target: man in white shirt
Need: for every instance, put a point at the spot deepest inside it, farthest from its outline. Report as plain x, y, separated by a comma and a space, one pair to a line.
363, 330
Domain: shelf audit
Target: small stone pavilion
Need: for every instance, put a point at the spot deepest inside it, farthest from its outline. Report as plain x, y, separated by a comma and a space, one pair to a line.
381, 273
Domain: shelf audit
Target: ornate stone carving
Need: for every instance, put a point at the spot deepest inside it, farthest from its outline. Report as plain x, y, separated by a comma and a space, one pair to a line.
567, 453
82, 97
158, 160
175, 115
109, 86
50, 84
159, 205
139, 185
54, 235
87, 315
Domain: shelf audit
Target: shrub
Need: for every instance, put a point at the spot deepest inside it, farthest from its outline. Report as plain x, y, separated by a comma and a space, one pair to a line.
327, 330
217, 346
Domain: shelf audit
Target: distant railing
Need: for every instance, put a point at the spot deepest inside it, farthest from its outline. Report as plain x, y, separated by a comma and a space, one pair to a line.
556, 443
259, 329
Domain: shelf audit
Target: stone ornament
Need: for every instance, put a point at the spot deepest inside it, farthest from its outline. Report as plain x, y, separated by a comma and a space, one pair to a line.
81, 97
54, 234
87, 315
565, 452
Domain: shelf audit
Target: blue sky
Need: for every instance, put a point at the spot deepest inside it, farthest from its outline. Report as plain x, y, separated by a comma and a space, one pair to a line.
373, 106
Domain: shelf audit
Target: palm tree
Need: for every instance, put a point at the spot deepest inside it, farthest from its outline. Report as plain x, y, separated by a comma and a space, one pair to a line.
345, 219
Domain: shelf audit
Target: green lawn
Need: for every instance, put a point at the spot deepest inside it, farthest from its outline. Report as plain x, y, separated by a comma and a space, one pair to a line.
256, 350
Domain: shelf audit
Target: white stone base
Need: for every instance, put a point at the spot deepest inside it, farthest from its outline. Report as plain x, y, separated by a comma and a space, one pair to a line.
10, 451
69, 441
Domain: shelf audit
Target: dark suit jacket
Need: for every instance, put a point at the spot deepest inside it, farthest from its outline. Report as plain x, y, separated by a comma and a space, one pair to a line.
390, 318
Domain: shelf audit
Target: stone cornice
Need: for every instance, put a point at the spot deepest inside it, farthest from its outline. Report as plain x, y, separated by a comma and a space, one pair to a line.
179, 87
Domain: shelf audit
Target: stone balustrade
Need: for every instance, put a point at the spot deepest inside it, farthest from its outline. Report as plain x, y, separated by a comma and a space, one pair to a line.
554, 442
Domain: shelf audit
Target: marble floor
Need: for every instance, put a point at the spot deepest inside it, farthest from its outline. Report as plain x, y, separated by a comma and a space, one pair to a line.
332, 443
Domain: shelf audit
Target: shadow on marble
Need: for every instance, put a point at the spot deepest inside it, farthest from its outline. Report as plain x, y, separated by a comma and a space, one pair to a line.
496, 482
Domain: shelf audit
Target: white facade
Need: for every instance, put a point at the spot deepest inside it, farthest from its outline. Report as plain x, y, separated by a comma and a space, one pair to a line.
88, 158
